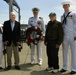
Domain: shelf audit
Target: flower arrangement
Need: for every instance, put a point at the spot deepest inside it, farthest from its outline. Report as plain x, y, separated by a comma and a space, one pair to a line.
38, 35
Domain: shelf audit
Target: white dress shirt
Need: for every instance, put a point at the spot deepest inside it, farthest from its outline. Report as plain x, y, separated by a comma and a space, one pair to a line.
12, 25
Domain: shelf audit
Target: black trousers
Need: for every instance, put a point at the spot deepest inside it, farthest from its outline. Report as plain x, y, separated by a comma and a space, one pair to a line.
52, 54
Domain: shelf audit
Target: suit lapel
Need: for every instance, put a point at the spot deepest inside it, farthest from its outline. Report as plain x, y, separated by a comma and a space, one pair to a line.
10, 25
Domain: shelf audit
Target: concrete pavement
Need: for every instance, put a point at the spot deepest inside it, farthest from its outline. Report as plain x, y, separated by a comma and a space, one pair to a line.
28, 69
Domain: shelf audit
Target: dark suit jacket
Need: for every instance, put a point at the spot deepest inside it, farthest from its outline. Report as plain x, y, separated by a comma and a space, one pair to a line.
9, 35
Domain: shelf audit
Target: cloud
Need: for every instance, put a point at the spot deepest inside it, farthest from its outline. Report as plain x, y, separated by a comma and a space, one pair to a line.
72, 7
72, 1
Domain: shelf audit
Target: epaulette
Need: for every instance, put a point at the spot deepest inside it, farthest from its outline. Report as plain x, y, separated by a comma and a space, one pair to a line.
31, 17
40, 18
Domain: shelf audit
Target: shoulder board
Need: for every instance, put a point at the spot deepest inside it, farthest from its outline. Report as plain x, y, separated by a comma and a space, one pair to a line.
31, 17
40, 18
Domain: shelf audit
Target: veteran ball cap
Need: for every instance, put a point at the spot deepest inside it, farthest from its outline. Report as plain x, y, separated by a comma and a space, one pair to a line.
66, 2
35, 9
52, 14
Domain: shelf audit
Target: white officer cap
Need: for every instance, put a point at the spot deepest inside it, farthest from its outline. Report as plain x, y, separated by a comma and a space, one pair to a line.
1, 25
66, 2
35, 9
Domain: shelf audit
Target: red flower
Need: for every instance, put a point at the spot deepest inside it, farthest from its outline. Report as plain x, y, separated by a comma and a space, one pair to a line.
39, 31
29, 39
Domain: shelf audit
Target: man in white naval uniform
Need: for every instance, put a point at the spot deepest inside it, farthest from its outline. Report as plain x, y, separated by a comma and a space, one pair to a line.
69, 26
33, 21
1, 46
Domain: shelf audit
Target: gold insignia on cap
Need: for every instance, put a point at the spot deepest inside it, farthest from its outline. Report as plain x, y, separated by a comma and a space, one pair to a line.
35, 10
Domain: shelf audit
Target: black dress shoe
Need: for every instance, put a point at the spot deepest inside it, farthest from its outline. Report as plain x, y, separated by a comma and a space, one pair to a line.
1, 68
17, 67
62, 70
8, 68
73, 72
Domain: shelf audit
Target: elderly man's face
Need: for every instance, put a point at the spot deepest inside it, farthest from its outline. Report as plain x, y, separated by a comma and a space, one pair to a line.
66, 6
13, 16
52, 18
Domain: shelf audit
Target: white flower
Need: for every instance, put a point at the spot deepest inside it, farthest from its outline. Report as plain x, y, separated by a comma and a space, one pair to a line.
31, 37
37, 36
31, 43
36, 27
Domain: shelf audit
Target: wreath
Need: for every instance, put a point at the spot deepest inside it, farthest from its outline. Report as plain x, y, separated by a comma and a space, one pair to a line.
33, 35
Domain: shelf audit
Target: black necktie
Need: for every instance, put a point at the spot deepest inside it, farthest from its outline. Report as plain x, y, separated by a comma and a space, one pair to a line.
65, 18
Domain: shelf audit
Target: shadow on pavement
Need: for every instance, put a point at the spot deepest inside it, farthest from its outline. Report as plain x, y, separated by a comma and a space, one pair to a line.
43, 72
26, 67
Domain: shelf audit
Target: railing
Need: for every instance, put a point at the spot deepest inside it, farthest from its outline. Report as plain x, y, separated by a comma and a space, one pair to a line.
11, 3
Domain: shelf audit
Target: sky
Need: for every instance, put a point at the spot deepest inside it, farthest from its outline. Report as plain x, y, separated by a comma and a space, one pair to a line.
45, 6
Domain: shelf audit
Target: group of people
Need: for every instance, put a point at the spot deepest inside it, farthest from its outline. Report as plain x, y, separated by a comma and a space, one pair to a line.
57, 33
65, 33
